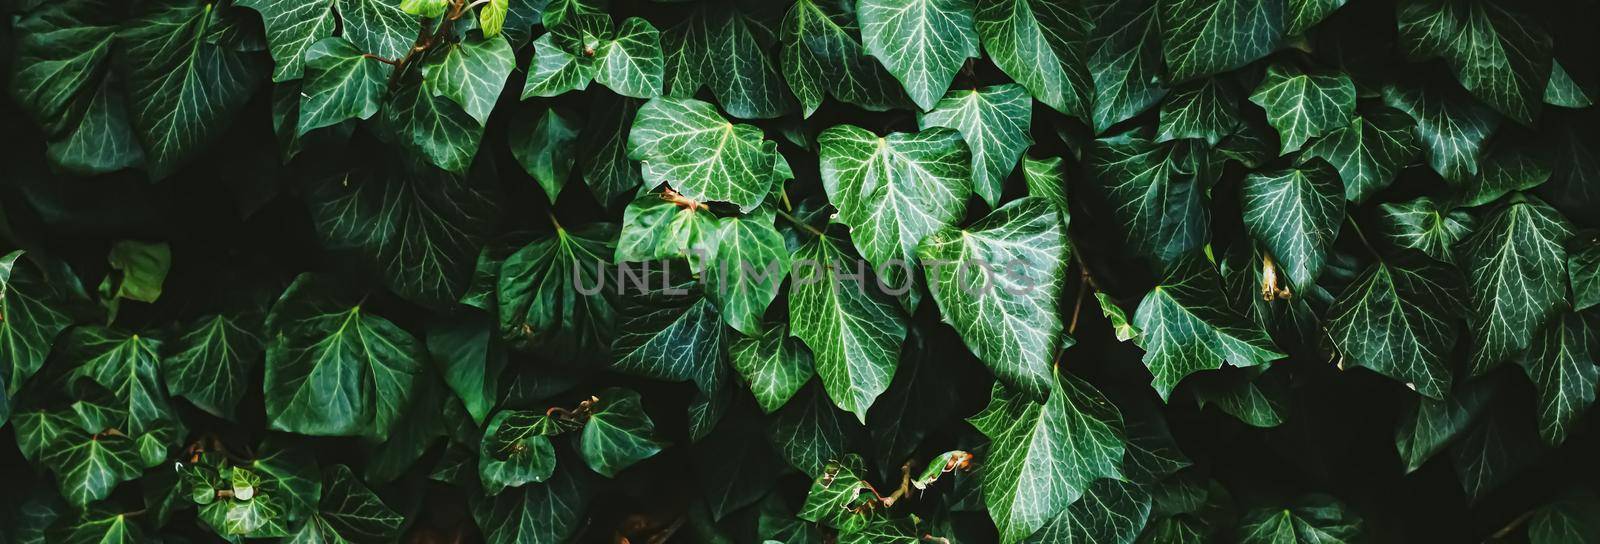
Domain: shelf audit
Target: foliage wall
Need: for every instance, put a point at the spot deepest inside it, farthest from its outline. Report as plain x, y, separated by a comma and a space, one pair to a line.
343, 271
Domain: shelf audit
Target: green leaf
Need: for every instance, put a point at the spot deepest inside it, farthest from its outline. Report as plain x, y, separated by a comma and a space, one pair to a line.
1187, 326
852, 328
1311, 519
671, 332
472, 73
212, 362
60, 80
536, 514
1305, 14
129, 366
922, 42
838, 494
540, 300
1157, 193
39, 298
1507, 168
1042, 45
1397, 320
248, 511
1583, 265
1204, 37
430, 127
686, 144
1305, 105
997, 283
87, 466
1495, 451
1451, 126
1047, 178
516, 449
1296, 213
292, 27
734, 465
1369, 151
1566, 91
725, 48
333, 367
1572, 518
420, 229
349, 512
618, 433
1561, 364
1207, 110
1125, 60
749, 267
1425, 225
293, 474
1516, 270
919, 401
95, 526
1117, 317
1430, 425
607, 170
821, 56
430, 9
143, 268
657, 228
543, 145
809, 432
893, 191
492, 17
340, 84
1501, 57
470, 358
631, 64
1109, 511
775, 366
184, 90
1042, 457
994, 121
103, 142
554, 71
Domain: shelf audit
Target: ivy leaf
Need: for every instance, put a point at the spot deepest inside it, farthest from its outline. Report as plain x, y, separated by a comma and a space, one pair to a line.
1494, 451
1314, 518
671, 332
537, 514
749, 267
1187, 326
686, 144
334, 368
39, 298
60, 80
87, 466
1296, 214
183, 89
1207, 110
349, 512
723, 47
809, 433
431, 127
1125, 61
618, 433
893, 191
470, 358
553, 71
1566, 91
128, 365
95, 526
919, 400
1502, 57
1561, 364
543, 145
606, 168
293, 473
1396, 320
735, 466
1429, 425
994, 121
922, 42
1043, 457
1202, 37
374, 26
516, 449
471, 73
1047, 179
1007, 316
838, 494
852, 328
340, 84
492, 17
1571, 518
1042, 45
1109, 511
1157, 193
821, 56
1451, 126
655, 227
1304, 14
631, 63
1425, 225
1304, 105
1583, 265
1516, 269
1506, 168
1121, 325
420, 228
212, 361
540, 300
1369, 151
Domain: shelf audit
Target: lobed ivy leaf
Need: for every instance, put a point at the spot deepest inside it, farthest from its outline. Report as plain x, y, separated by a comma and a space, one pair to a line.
39, 298
212, 361
340, 84
471, 73
1583, 267
1501, 56
822, 56
1296, 214
1314, 518
1396, 319
631, 63
1302, 105
809, 433
1571, 518
1516, 271
922, 42
1561, 362
378, 27
1369, 151
128, 366
539, 297
538, 514
1206, 110
1204, 37
95, 526
516, 449
994, 121
853, 331
686, 144
1157, 192
748, 269
1042, 45
1452, 127
606, 168
348, 513
1426, 226
618, 434
1125, 60
431, 128
654, 227
1110, 510
670, 331
1187, 326
1302, 15
553, 71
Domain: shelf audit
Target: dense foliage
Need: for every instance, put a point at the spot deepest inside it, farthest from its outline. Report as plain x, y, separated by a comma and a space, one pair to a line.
800, 271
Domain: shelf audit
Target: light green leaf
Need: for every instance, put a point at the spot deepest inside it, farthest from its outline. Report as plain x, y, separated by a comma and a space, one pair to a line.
895, 190
749, 267
430, 9
137, 271
540, 301
618, 433
536, 514
293, 474
1503, 58
1187, 326
822, 56
1516, 270
1125, 60
1043, 45
516, 449
1425, 225
184, 90
1117, 317
631, 64
838, 494
1204, 37
1561, 363
922, 42
1397, 320
994, 121
340, 84
997, 283
39, 298
472, 73
1368, 152
1157, 193
430, 127
492, 17
1296, 213
852, 328
686, 144
1451, 126
1304, 105
543, 145
1304, 14
1313, 519
774, 364
1207, 110
128, 365
553, 71
655, 227
334, 368
212, 362
1042, 457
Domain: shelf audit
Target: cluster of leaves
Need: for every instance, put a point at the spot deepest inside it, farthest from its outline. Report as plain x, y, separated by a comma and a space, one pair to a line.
697, 280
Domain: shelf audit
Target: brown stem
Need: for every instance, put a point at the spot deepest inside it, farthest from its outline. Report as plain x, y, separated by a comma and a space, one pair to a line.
579, 415
1511, 527
905, 485
388, 61
1083, 289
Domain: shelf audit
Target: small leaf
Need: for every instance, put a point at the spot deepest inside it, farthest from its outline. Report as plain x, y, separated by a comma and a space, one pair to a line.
618, 433
516, 450
1426, 226
1304, 105
1369, 152
472, 73
1207, 110
994, 121
543, 145
631, 64
1186, 326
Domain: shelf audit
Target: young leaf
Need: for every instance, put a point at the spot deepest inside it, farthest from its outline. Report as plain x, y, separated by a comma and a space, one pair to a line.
994, 121
1304, 105
543, 145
